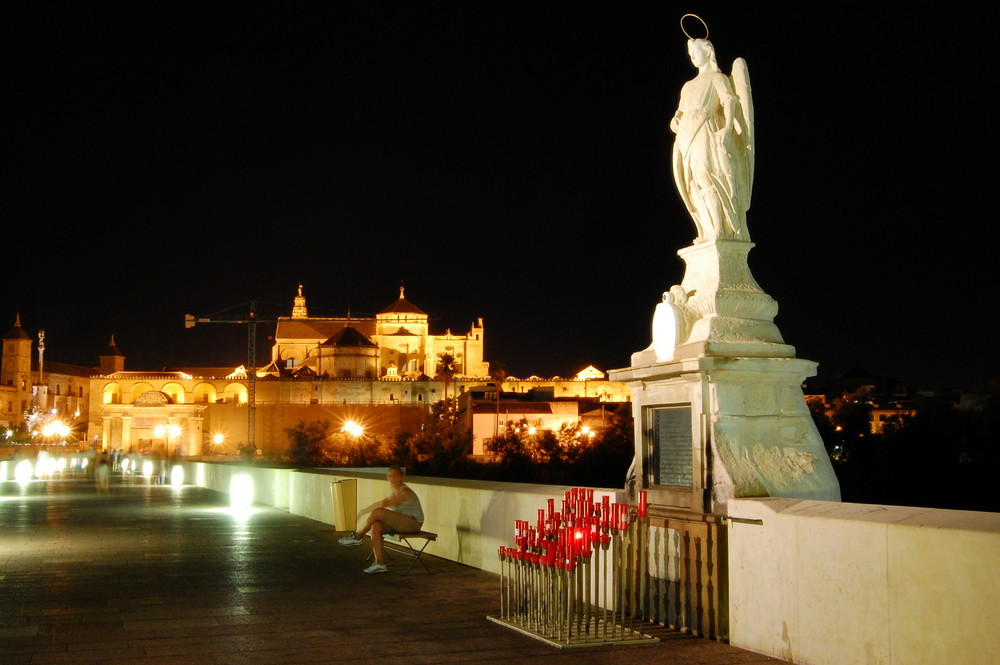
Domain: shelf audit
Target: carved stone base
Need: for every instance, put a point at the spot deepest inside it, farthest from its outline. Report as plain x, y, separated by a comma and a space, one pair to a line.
751, 431
726, 303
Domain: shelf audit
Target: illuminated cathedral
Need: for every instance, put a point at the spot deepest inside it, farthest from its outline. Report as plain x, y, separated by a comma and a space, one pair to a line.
395, 344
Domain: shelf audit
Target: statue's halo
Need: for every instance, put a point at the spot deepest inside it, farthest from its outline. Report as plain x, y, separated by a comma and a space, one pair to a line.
705, 25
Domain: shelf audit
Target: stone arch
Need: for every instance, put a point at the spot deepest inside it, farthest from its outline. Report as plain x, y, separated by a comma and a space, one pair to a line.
205, 393
112, 393
175, 390
236, 393
137, 391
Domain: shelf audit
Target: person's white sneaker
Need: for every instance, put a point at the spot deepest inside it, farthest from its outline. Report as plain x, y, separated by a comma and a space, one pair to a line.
350, 540
377, 568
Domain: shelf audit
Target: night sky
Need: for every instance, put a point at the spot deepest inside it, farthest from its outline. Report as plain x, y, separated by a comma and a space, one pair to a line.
501, 161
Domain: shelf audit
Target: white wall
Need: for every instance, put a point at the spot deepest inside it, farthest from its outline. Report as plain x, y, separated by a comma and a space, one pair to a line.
842, 584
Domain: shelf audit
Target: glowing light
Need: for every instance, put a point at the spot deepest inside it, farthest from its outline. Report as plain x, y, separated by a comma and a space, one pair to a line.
55, 428
353, 428
218, 439
125, 463
159, 431
177, 475
22, 473
147, 469
45, 465
241, 492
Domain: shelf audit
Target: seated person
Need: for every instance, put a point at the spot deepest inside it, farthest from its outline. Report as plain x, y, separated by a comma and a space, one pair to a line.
399, 513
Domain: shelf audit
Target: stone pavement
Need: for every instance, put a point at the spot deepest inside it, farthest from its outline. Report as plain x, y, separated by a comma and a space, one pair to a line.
151, 575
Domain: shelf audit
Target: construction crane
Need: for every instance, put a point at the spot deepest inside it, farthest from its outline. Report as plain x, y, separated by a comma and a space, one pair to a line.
251, 319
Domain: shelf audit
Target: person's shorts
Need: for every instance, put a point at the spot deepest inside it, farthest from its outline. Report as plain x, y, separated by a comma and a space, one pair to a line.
400, 523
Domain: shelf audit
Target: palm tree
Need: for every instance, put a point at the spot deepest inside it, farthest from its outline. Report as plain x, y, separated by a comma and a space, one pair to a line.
446, 371
498, 372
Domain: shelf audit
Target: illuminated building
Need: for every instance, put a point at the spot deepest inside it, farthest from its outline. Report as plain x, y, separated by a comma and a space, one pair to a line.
395, 343
29, 390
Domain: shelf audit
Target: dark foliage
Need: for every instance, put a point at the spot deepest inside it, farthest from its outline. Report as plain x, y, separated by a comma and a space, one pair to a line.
945, 457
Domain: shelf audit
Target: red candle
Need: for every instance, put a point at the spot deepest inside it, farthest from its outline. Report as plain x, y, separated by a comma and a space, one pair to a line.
643, 508
551, 507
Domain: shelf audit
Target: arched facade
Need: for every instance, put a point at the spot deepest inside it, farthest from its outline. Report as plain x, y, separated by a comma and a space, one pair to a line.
399, 336
153, 423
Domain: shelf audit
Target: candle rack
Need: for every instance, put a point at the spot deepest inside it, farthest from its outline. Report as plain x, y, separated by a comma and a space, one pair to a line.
577, 578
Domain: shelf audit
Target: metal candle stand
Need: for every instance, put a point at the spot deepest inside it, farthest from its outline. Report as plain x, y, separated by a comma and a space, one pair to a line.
578, 577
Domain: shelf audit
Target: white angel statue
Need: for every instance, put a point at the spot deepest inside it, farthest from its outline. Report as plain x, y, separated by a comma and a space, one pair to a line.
713, 155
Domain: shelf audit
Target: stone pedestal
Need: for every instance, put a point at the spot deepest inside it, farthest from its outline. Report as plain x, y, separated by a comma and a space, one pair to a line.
717, 397
748, 432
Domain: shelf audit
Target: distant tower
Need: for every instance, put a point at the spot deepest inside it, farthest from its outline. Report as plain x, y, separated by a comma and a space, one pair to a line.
112, 359
15, 368
16, 356
299, 308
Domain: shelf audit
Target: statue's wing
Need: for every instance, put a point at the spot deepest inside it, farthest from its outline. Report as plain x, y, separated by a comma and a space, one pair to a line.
741, 86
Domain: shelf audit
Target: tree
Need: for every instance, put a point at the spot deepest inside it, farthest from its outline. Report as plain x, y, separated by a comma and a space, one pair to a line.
443, 446
606, 460
446, 368
310, 442
316, 443
512, 458
851, 420
498, 373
